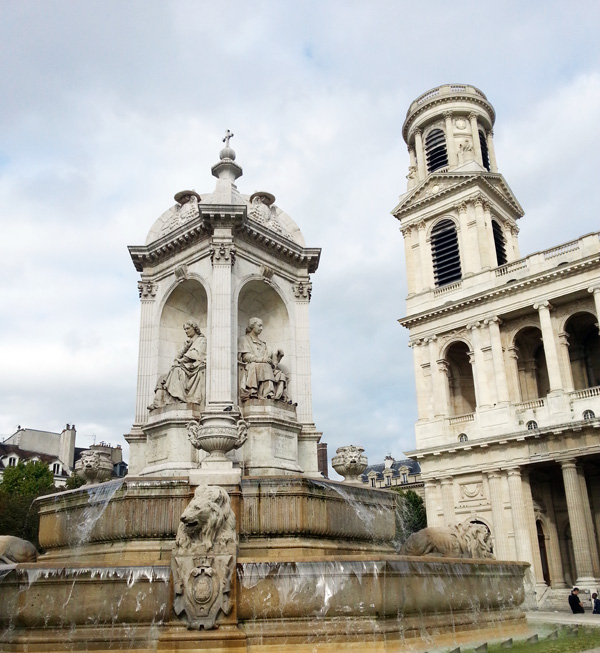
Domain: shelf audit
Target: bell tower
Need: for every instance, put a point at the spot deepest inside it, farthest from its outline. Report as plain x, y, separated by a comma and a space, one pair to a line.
458, 215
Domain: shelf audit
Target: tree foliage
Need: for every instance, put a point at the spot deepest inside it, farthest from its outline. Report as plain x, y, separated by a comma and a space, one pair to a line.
19, 487
73, 482
410, 514
31, 478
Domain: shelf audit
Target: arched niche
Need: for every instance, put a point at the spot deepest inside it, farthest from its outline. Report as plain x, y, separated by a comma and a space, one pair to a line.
187, 301
584, 349
259, 299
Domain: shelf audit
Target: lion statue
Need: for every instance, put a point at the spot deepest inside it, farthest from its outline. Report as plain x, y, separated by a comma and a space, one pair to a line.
208, 520
459, 541
14, 549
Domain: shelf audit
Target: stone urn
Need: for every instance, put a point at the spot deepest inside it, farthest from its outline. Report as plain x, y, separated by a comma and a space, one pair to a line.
350, 463
94, 466
217, 436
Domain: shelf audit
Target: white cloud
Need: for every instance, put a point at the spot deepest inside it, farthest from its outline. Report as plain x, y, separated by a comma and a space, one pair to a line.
109, 108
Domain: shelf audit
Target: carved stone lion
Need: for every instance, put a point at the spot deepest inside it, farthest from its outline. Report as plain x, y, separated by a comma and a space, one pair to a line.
14, 549
207, 521
204, 558
459, 541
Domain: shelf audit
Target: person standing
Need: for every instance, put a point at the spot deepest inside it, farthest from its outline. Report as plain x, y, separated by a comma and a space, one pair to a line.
595, 603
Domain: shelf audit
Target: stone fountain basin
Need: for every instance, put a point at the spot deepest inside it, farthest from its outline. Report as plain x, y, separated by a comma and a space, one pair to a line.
436, 590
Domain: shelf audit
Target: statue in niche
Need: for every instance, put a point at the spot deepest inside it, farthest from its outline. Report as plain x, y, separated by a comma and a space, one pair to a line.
185, 381
204, 558
261, 377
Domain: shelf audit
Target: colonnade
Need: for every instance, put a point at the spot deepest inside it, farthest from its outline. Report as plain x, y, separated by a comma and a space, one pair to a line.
495, 376
513, 516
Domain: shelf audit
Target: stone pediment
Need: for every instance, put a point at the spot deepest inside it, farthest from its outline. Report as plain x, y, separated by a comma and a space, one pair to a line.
436, 186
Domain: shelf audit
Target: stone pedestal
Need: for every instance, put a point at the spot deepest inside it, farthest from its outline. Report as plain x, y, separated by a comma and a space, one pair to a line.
272, 445
168, 451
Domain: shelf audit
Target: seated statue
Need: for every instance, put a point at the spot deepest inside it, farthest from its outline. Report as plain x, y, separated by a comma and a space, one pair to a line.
185, 381
261, 377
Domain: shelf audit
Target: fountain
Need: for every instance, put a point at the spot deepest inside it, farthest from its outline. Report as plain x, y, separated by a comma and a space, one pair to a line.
225, 536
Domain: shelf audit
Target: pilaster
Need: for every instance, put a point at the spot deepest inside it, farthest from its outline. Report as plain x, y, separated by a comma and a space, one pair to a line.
493, 324
502, 551
475, 134
448, 501
481, 382
146, 358
421, 164
519, 516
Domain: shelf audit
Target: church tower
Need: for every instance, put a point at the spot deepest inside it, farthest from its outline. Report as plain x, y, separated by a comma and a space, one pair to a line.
506, 351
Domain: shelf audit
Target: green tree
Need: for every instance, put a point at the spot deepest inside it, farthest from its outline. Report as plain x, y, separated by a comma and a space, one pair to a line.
19, 487
410, 514
73, 482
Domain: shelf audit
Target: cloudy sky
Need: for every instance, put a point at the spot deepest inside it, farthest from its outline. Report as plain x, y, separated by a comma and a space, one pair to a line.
108, 108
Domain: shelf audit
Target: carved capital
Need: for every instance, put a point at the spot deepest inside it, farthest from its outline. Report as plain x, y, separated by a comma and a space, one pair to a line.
563, 338
443, 366
421, 226
493, 319
303, 290
147, 290
448, 115
222, 255
473, 325
418, 131
594, 290
473, 116
543, 305
461, 207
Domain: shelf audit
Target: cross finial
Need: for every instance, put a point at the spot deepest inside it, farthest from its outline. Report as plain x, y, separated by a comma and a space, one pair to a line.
228, 135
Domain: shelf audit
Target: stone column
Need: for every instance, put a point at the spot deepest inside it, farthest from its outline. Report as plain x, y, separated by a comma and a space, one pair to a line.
501, 548
301, 381
219, 386
412, 177
410, 265
557, 578
439, 381
422, 387
513, 355
577, 521
567, 371
538, 572
595, 290
425, 256
475, 134
421, 163
469, 239
493, 324
595, 502
519, 516
491, 151
544, 309
481, 383
417, 258
147, 373
450, 144
589, 521
431, 501
448, 501
484, 236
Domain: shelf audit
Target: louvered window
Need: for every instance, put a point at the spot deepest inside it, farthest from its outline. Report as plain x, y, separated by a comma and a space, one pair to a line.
446, 257
484, 151
499, 242
435, 150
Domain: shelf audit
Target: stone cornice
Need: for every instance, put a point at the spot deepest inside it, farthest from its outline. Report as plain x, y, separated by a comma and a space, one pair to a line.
223, 216
457, 448
463, 181
493, 293
280, 247
447, 99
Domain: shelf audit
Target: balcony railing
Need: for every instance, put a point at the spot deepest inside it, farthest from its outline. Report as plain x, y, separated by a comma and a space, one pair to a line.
528, 405
584, 394
460, 419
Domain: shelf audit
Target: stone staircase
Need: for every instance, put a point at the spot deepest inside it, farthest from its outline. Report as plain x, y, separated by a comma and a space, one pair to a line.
558, 600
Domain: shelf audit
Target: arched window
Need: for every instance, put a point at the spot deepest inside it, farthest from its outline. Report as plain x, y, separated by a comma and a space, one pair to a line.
532, 425
463, 437
444, 249
499, 242
435, 150
484, 151
584, 350
461, 385
589, 414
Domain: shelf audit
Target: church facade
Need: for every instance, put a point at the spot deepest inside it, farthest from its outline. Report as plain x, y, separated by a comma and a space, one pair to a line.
506, 351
